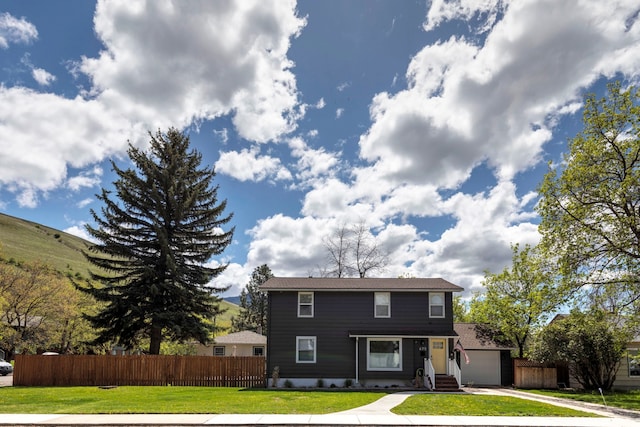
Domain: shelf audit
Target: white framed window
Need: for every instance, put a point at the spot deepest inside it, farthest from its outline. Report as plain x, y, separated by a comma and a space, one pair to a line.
633, 357
384, 354
305, 349
382, 304
305, 304
436, 304
258, 351
218, 350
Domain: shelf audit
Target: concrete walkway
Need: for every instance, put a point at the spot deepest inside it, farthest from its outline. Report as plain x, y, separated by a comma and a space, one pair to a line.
375, 414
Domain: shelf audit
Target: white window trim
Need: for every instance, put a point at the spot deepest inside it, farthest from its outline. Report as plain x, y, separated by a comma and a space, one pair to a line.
444, 312
375, 306
315, 349
312, 304
399, 368
255, 347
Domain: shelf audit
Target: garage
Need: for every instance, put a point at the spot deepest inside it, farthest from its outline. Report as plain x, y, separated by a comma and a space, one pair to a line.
483, 369
489, 363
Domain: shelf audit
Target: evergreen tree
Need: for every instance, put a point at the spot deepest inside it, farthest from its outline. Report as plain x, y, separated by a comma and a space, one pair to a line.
253, 303
154, 239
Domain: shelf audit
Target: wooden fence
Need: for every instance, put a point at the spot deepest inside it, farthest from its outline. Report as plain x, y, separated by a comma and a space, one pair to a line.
74, 370
529, 374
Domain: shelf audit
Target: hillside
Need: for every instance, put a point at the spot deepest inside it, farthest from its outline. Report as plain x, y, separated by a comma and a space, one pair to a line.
22, 240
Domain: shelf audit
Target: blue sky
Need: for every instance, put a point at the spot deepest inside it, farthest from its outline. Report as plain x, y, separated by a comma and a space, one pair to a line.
430, 122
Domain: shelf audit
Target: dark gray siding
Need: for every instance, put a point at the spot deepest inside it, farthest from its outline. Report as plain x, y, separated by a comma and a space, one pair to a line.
336, 315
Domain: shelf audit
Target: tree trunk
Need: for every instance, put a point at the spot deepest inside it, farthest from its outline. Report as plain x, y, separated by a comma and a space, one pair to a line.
156, 339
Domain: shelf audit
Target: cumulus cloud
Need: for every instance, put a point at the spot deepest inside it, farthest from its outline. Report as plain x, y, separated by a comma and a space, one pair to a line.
163, 63
14, 30
491, 100
43, 77
230, 57
249, 165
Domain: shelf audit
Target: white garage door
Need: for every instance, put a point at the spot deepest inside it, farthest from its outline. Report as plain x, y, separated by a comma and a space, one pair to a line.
483, 369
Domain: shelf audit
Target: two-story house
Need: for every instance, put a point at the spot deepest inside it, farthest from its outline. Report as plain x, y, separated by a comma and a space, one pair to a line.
372, 331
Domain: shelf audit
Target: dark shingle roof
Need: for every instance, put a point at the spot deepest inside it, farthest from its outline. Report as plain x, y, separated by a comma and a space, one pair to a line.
472, 340
357, 284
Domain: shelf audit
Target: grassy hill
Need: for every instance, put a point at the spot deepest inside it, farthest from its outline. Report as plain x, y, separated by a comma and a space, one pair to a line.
25, 241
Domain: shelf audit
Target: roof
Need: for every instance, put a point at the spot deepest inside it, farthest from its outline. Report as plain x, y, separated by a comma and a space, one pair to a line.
472, 340
358, 284
243, 337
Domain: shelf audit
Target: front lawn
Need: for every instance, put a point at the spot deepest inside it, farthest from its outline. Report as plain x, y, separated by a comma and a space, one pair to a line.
176, 400
481, 405
619, 399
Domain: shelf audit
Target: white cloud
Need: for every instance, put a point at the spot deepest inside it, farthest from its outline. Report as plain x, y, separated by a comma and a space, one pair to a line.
80, 231
89, 178
14, 30
164, 63
84, 202
234, 277
230, 57
339, 112
43, 77
249, 165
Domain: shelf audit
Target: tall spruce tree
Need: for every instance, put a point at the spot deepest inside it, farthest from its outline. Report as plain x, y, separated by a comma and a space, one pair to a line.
253, 303
154, 239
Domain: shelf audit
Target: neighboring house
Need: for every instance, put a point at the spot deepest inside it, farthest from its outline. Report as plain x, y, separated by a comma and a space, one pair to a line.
490, 364
372, 331
628, 375
244, 343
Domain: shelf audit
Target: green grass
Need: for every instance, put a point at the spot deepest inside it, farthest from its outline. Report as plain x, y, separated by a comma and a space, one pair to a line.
619, 399
481, 405
176, 400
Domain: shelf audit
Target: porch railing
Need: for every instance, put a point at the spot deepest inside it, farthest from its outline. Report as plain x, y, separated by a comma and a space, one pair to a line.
430, 373
454, 370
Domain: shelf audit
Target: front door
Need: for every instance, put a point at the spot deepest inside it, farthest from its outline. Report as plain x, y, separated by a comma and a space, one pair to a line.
439, 354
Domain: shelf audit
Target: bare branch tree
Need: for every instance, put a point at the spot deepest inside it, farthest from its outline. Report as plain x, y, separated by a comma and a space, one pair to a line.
353, 250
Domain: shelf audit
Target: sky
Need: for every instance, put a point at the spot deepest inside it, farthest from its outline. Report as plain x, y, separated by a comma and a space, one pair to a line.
432, 122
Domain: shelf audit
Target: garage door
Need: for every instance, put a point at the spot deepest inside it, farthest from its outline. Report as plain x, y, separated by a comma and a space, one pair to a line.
483, 369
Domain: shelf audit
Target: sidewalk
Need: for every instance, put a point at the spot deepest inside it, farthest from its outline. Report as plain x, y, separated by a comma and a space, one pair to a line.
375, 414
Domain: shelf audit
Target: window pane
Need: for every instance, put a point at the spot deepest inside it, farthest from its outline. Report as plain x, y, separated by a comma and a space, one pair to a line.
305, 310
437, 311
306, 298
382, 298
634, 363
382, 311
384, 354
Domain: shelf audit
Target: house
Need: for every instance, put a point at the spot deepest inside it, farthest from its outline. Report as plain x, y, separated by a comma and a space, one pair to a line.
628, 375
244, 343
490, 363
370, 331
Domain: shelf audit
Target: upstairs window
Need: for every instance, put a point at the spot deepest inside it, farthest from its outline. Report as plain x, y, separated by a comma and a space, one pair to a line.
382, 304
305, 304
436, 304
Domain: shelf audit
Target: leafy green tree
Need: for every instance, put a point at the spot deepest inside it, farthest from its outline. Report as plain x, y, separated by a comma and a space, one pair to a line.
590, 208
516, 300
154, 240
253, 303
591, 343
460, 310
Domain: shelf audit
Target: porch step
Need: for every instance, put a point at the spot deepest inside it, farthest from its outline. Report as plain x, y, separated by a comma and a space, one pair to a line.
446, 383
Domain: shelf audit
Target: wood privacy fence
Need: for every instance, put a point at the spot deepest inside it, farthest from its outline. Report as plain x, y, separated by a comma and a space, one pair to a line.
529, 374
74, 370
